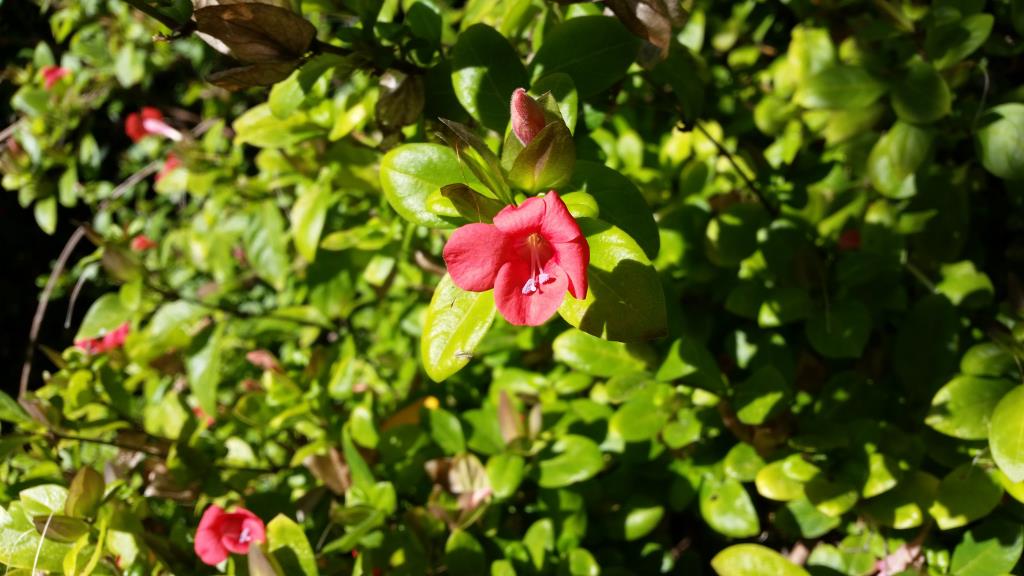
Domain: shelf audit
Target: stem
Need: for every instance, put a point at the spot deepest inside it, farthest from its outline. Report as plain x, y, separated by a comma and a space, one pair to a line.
72, 437
153, 13
771, 208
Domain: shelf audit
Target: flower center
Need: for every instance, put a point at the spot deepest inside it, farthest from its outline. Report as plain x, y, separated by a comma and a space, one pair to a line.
537, 249
244, 536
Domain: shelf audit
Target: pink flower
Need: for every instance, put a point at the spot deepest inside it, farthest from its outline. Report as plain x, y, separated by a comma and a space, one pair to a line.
53, 74
527, 116
109, 341
150, 120
530, 256
170, 164
849, 240
141, 243
221, 533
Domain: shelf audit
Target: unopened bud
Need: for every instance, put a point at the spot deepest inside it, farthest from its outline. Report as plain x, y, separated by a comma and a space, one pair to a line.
527, 116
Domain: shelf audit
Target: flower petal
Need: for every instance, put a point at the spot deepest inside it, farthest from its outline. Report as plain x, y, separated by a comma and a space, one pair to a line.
558, 224
133, 127
208, 546
521, 220
573, 257
473, 254
532, 309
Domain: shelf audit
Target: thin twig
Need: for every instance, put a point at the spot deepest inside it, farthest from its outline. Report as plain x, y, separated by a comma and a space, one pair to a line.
152, 451
6, 132
751, 185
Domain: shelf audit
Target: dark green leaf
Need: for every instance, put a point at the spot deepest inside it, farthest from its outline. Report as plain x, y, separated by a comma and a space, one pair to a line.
595, 51
485, 72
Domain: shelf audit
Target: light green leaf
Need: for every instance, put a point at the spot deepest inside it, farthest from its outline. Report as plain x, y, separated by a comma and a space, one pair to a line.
308, 216
1001, 140
455, 323
841, 87
446, 431
993, 547
625, 301
11, 411
967, 493
896, 157
754, 560
266, 245
288, 543
106, 313
1006, 436
728, 509
505, 472
203, 366
409, 173
963, 406
575, 459
762, 396
906, 505
258, 126
597, 357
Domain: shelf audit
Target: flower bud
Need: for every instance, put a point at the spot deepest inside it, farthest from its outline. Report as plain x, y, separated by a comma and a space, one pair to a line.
527, 116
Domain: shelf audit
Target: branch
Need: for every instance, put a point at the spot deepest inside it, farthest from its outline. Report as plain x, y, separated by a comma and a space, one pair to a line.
771, 208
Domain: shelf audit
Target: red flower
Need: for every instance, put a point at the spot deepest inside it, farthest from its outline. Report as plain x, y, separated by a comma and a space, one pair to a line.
53, 74
141, 243
170, 164
527, 116
221, 533
531, 255
150, 120
203, 417
109, 341
849, 240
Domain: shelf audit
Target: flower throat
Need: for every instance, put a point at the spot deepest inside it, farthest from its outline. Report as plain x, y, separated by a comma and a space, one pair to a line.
536, 245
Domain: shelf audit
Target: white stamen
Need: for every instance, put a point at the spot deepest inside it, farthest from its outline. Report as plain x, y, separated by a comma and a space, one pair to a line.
160, 127
530, 287
244, 536
544, 278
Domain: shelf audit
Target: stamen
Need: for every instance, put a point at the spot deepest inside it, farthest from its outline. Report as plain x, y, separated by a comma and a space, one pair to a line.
534, 244
244, 536
530, 287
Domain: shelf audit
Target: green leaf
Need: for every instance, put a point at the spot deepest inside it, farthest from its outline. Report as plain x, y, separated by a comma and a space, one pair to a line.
60, 528
204, 366
85, 494
505, 472
44, 499
967, 493
597, 357
689, 361
455, 323
258, 126
288, 96
619, 201
727, 508
288, 543
21, 546
754, 560
45, 210
563, 90
639, 419
547, 161
988, 359
266, 245
841, 87
106, 313
921, 95
993, 547
11, 411
840, 331
963, 406
965, 286
731, 236
485, 71
463, 555
595, 51
1006, 435
832, 496
1001, 141
906, 505
574, 459
446, 431
409, 173
626, 301
582, 563
896, 157
742, 462
951, 42
801, 518
762, 396
308, 216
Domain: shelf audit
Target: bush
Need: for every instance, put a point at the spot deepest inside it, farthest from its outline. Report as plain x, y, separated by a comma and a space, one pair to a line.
730, 288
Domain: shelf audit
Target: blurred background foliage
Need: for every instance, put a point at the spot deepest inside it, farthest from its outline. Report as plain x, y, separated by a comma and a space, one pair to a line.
816, 368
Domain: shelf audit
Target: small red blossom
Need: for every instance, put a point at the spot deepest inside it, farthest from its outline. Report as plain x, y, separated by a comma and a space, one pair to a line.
849, 240
171, 164
222, 533
141, 243
530, 256
53, 74
148, 121
106, 342
202, 416
527, 116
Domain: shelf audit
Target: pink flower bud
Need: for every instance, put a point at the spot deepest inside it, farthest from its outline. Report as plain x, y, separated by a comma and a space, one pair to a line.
141, 243
53, 74
527, 116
